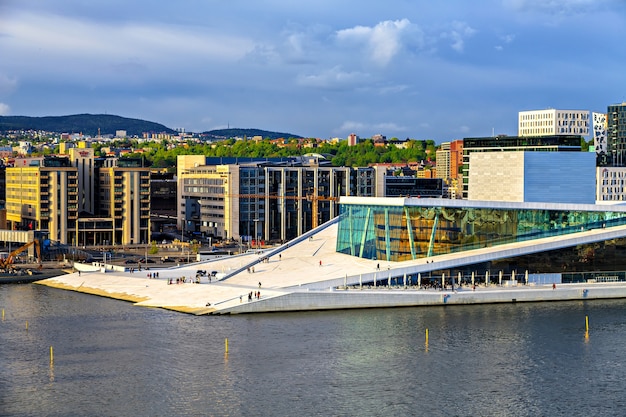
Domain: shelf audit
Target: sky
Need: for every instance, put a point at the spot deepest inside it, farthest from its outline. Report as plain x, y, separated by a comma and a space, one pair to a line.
419, 69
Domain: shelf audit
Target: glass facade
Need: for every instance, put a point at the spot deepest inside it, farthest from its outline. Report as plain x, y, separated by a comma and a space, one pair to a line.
400, 233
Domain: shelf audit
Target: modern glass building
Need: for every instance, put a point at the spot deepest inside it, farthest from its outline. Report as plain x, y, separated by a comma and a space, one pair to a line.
616, 134
503, 143
401, 229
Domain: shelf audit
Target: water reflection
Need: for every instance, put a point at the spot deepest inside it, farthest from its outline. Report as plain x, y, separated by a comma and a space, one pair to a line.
111, 358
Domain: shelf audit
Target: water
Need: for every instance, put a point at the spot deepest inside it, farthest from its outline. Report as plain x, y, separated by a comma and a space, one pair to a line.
114, 359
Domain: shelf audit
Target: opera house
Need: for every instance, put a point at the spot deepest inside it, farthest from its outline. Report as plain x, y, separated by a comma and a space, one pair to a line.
395, 252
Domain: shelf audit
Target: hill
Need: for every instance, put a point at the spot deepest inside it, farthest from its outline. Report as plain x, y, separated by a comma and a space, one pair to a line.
87, 124
220, 134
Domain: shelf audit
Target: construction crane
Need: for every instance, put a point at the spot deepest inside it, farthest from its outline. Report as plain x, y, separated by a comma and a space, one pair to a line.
313, 198
6, 263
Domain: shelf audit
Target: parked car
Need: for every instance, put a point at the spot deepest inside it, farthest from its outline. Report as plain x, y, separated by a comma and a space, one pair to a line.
130, 261
145, 260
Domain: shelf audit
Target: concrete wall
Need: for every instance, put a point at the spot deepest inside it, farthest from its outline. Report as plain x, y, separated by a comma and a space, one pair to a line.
387, 298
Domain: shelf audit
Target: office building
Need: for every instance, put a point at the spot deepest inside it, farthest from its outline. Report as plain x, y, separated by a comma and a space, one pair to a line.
550, 177
444, 158
44, 197
616, 134
551, 122
502, 143
257, 200
80, 200
611, 185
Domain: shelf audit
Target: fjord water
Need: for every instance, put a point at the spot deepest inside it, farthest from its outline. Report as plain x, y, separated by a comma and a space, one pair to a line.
114, 359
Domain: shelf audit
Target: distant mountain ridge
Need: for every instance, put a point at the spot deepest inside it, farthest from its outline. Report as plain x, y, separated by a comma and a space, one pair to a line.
248, 133
87, 124
108, 124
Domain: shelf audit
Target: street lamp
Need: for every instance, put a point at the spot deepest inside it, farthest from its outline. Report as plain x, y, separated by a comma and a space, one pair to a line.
256, 232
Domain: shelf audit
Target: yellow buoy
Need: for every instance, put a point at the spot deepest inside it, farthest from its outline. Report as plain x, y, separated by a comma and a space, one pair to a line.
51, 355
226, 345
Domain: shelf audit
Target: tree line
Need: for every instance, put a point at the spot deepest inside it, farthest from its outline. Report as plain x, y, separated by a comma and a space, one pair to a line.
163, 154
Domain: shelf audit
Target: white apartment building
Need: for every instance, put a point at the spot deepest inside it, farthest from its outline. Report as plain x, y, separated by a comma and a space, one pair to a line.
443, 161
611, 185
553, 122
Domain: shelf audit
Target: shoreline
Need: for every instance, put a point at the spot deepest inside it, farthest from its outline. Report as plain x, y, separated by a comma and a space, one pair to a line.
223, 298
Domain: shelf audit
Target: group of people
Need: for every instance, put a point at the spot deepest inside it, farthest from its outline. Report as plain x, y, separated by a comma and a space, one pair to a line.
178, 280
255, 294
182, 280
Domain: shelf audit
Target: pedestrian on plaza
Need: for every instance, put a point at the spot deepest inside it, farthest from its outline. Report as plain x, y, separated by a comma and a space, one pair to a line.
259, 284
320, 262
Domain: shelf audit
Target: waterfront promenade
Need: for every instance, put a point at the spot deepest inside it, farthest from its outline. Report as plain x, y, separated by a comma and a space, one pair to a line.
310, 275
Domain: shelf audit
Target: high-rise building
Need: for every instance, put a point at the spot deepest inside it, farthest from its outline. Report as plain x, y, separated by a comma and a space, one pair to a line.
81, 200
443, 161
353, 139
616, 134
44, 197
599, 140
125, 198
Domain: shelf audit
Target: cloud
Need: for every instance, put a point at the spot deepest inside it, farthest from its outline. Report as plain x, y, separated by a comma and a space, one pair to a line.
334, 78
559, 7
507, 39
351, 126
383, 41
7, 84
389, 127
367, 129
67, 38
393, 89
457, 35
4, 109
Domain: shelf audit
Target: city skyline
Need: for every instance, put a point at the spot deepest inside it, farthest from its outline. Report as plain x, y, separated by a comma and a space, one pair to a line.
426, 71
